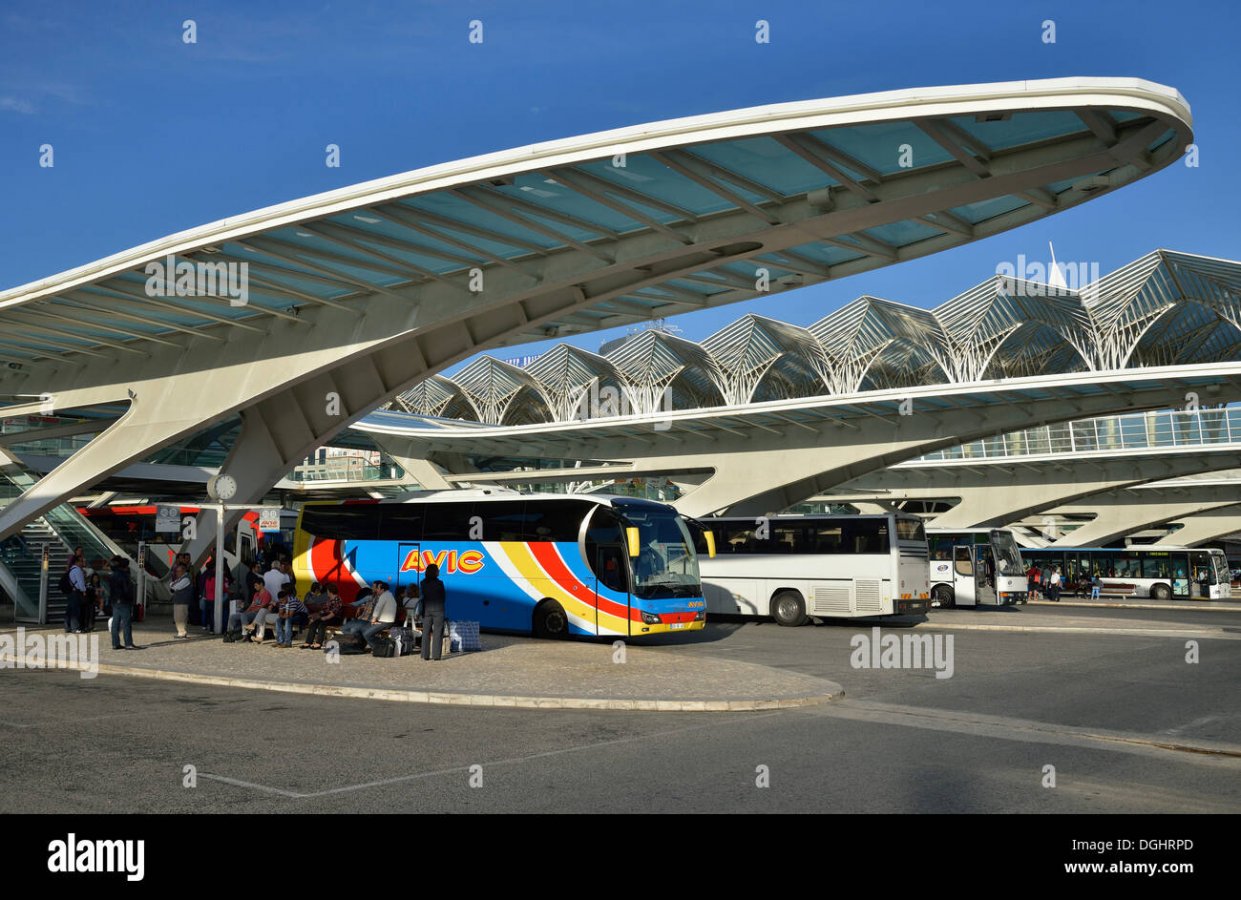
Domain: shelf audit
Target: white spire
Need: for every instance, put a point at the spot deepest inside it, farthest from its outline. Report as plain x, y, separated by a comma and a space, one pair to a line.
1055, 277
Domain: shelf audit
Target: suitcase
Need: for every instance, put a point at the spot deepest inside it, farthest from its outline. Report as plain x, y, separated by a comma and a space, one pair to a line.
385, 646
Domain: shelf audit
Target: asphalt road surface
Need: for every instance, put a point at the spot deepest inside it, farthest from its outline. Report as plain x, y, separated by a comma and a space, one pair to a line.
1126, 723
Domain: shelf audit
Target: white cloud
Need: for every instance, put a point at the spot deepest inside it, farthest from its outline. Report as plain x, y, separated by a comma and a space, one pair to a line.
17, 105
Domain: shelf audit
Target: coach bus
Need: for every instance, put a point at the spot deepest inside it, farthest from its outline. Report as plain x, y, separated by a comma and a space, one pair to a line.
976, 567
551, 565
793, 567
1147, 570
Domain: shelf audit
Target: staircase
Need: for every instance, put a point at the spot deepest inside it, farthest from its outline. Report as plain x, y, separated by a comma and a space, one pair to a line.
21, 556
61, 528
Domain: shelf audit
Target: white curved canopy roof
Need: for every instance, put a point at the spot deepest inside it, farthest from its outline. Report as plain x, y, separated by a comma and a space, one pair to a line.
643, 222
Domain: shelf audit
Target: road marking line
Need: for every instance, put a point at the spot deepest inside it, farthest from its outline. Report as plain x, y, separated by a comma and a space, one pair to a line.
516, 760
1026, 730
1202, 634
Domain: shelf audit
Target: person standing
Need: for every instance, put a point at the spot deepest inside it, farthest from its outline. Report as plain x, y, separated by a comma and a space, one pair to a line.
254, 580
182, 587
75, 596
93, 602
121, 594
209, 595
434, 599
1054, 586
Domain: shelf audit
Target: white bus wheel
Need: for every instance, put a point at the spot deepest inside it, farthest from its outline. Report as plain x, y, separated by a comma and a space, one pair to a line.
943, 594
788, 608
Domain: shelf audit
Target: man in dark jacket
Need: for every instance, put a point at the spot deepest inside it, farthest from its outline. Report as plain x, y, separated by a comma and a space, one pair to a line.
121, 590
433, 599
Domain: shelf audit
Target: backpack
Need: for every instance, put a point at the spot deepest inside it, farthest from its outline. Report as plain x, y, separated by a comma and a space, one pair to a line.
65, 585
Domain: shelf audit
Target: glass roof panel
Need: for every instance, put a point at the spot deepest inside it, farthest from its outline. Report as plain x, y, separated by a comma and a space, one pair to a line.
882, 146
907, 231
644, 174
540, 190
765, 161
457, 209
1021, 127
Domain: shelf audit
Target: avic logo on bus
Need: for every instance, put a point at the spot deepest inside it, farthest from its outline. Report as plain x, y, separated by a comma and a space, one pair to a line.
450, 562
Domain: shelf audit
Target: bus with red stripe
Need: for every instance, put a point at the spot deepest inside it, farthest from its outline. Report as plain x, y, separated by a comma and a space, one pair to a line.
549, 565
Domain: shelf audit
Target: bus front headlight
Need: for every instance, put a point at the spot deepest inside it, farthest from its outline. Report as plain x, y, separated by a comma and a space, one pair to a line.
700, 616
650, 619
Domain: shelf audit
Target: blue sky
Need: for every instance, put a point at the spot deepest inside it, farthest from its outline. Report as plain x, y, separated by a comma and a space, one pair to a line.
152, 136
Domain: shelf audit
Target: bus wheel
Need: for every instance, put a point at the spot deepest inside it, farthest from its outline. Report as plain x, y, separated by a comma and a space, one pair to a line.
1161, 592
550, 621
787, 608
944, 595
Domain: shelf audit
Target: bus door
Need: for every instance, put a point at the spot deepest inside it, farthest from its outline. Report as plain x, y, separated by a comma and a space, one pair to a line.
1182, 576
984, 576
611, 571
407, 572
963, 569
1202, 584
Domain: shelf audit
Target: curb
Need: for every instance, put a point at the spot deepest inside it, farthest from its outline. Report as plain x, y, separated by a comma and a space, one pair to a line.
449, 698
1212, 633
1194, 607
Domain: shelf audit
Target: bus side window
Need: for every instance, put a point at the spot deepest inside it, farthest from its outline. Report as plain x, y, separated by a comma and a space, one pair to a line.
964, 563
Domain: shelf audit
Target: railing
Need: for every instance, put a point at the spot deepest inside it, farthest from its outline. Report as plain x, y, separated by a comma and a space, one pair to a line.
1165, 429
386, 472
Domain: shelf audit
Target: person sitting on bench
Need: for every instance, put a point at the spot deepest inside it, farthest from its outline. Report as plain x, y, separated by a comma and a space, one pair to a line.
290, 609
259, 604
329, 613
383, 614
268, 615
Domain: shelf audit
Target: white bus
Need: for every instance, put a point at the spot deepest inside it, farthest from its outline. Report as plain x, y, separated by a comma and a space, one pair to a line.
975, 567
793, 567
1145, 570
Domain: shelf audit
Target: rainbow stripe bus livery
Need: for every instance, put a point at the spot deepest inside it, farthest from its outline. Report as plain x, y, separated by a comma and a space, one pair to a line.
550, 565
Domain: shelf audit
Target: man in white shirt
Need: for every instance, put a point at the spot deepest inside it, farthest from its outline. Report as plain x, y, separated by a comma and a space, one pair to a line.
275, 579
383, 614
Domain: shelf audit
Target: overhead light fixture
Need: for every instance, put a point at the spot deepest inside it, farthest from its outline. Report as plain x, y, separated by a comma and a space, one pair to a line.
368, 220
821, 199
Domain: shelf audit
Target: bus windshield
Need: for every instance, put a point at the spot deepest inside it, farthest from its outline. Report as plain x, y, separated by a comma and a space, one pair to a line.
1222, 575
667, 565
1007, 556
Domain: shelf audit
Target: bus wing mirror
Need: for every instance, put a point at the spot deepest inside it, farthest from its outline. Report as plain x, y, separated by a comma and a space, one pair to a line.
634, 538
710, 536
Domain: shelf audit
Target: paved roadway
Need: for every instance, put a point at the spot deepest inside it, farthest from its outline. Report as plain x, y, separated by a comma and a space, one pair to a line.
1122, 719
